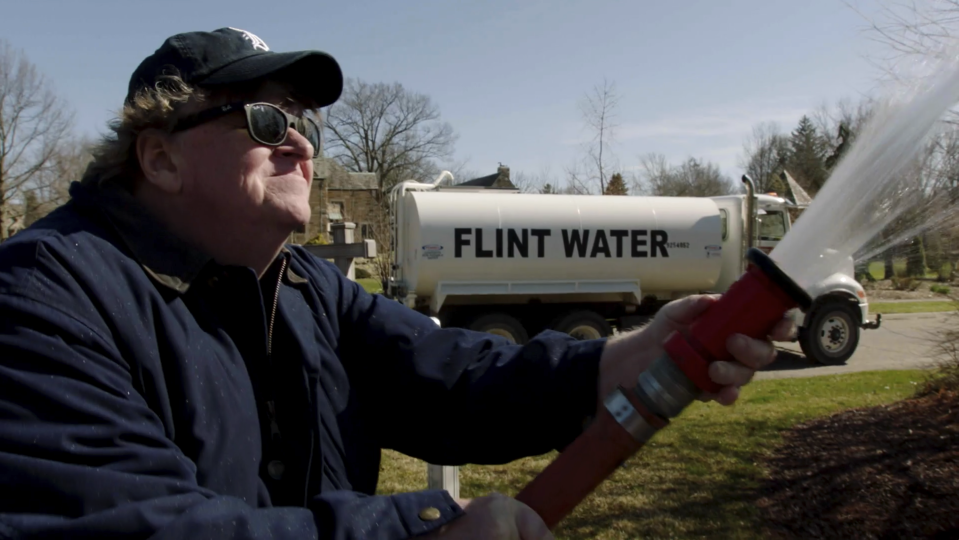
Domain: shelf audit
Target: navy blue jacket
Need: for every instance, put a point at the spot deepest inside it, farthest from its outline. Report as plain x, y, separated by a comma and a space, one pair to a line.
146, 391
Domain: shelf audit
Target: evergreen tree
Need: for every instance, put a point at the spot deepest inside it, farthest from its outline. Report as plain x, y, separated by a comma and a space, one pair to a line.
807, 156
548, 189
616, 186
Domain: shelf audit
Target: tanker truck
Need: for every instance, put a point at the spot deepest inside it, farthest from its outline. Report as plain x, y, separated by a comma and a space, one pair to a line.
515, 264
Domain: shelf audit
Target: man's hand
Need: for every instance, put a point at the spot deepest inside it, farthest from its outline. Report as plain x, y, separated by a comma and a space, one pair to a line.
628, 355
494, 517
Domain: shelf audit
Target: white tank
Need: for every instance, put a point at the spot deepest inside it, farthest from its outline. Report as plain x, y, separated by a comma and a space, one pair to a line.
668, 243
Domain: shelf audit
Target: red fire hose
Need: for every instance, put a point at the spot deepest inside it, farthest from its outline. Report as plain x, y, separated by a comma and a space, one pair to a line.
752, 306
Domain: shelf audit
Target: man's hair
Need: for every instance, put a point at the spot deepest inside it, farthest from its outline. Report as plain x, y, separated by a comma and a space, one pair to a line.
154, 107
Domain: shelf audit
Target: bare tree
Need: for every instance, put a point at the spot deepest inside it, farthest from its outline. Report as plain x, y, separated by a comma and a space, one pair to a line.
389, 130
545, 178
526, 183
845, 112
764, 155
380, 230
535, 182
944, 167
460, 170
34, 122
652, 167
578, 180
925, 29
691, 178
599, 113
838, 125
67, 166
925, 230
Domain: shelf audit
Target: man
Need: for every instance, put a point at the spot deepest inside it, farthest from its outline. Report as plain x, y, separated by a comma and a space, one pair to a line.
169, 368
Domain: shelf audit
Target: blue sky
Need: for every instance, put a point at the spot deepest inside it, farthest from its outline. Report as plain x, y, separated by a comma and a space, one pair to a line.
693, 76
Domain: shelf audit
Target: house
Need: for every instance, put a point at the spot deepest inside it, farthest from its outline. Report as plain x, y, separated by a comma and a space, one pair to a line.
338, 195
13, 220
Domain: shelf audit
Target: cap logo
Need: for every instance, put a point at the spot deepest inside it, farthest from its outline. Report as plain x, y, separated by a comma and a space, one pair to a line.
257, 42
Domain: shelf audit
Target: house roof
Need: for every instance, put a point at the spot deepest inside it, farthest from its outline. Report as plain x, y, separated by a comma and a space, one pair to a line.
483, 181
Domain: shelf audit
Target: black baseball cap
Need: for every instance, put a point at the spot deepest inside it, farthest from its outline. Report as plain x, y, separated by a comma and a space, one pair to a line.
230, 55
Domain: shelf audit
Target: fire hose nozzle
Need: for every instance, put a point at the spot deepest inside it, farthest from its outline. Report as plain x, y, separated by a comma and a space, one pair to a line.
752, 306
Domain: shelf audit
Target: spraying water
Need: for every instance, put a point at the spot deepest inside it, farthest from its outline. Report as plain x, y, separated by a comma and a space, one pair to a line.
871, 186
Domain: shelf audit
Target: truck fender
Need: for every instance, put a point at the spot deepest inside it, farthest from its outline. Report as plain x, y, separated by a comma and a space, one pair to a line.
836, 286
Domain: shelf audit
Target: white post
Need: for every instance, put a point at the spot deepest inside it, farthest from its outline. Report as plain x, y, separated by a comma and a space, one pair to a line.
444, 477
343, 234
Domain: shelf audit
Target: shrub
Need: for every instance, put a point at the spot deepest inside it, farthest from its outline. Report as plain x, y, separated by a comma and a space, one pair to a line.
940, 289
905, 283
945, 271
945, 378
362, 273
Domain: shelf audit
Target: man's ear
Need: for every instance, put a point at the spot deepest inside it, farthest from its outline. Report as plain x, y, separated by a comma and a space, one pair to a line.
154, 152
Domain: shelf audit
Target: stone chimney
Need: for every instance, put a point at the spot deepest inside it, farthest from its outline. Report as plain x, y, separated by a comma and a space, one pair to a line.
502, 178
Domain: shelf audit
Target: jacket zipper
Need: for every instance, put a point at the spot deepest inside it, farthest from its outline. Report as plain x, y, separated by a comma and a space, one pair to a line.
276, 300
274, 426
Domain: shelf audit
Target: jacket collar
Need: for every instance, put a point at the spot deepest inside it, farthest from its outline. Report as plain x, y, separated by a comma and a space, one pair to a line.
167, 259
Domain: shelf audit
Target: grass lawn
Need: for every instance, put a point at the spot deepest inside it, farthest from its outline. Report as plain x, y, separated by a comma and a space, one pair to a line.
912, 307
878, 269
372, 286
698, 477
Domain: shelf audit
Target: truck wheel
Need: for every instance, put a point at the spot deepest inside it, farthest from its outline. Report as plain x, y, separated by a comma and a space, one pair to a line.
832, 335
501, 324
583, 325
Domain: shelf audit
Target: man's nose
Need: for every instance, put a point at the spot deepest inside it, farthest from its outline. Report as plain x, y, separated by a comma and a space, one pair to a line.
296, 145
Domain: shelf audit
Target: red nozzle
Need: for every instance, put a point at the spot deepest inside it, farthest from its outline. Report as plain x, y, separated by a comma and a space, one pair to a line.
752, 306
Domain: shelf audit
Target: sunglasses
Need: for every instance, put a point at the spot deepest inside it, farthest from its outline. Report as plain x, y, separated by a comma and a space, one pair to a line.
266, 123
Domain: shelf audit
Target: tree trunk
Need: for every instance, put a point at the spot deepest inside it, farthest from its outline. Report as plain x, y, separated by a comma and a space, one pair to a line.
916, 259
890, 270
932, 242
861, 269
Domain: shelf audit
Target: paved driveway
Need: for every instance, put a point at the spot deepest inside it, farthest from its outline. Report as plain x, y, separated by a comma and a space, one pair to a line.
905, 341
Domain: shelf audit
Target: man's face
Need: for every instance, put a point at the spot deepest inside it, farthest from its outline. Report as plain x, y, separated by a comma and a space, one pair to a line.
239, 183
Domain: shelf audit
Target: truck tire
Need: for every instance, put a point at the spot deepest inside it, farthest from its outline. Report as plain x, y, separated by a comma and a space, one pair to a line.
583, 325
832, 335
501, 324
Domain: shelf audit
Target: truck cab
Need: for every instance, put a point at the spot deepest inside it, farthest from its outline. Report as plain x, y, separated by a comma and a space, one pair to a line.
829, 332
